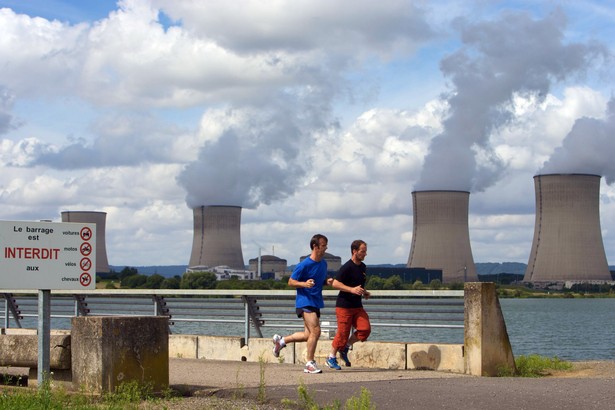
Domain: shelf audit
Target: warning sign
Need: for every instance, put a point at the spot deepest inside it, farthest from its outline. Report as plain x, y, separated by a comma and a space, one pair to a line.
47, 255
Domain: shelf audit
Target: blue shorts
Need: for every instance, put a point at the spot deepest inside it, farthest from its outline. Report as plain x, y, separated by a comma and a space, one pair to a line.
308, 309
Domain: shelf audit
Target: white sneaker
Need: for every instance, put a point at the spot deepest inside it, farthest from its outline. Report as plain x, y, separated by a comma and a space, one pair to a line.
277, 346
310, 367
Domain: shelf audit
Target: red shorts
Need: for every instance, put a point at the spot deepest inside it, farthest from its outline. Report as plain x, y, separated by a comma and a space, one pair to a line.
346, 320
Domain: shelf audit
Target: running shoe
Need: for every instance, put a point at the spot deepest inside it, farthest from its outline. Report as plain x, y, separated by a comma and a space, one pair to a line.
344, 356
332, 363
310, 367
277, 346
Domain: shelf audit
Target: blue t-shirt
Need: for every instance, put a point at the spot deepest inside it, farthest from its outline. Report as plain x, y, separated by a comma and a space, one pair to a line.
310, 269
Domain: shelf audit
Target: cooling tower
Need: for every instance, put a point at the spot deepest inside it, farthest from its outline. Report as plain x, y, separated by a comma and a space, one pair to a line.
100, 219
217, 238
567, 241
441, 237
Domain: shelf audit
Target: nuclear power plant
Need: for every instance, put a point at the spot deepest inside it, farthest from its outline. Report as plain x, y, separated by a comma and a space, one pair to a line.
217, 237
100, 219
567, 241
441, 237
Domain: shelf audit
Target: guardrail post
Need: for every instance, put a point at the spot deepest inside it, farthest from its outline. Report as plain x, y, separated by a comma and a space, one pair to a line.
487, 347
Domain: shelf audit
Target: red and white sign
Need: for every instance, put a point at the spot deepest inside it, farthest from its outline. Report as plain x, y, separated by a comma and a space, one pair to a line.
47, 255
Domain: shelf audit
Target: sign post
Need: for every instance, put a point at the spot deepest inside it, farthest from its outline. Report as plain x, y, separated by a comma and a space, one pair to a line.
47, 256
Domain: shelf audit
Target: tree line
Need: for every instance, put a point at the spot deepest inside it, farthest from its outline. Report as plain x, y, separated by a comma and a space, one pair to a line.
130, 278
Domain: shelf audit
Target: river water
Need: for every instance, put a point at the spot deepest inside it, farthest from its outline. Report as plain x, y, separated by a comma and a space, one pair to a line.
571, 329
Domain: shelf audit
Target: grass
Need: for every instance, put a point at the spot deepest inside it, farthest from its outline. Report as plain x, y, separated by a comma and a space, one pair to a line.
536, 366
127, 396
361, 402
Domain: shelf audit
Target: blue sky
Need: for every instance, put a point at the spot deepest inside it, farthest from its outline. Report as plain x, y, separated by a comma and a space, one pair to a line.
314, 116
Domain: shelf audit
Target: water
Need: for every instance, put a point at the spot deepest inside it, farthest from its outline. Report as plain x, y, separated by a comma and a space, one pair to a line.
571, 329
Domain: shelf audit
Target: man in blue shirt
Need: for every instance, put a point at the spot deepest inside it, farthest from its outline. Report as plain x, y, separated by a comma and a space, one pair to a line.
309, 277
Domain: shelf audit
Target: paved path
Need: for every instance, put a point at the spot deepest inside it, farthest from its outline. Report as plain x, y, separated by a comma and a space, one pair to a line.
394, 389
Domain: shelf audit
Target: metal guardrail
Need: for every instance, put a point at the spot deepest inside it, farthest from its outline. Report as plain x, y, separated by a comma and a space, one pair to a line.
253, 309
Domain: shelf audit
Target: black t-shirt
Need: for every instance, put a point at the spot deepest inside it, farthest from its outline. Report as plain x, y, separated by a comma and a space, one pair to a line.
351, 274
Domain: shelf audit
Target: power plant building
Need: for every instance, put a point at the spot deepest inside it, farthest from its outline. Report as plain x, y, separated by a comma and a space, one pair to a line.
270, 266
567, 242
334, 263
441, 236
100, 219
217, 237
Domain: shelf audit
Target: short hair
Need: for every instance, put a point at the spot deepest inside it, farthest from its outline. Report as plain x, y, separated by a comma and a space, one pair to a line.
356, 244
315, 241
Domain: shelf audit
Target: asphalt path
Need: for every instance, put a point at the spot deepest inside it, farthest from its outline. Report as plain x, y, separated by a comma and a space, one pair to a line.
393, 389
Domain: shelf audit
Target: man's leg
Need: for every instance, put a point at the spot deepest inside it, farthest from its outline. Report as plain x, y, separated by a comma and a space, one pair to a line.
361, 325
312, 328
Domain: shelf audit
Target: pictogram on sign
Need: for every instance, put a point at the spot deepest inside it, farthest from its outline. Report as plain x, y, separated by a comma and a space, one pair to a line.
85, 233
85, 279
86, 264
85, 249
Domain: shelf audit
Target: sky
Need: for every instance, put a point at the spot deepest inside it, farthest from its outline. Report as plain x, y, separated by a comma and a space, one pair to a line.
313, 116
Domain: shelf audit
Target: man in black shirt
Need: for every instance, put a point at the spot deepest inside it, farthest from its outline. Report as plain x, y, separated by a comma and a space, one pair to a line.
350, 281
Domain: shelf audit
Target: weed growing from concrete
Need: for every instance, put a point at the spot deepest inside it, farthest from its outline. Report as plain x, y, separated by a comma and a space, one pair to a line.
238, 392
262, 394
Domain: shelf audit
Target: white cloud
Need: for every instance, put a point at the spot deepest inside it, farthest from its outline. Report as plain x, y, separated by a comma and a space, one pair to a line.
256, 99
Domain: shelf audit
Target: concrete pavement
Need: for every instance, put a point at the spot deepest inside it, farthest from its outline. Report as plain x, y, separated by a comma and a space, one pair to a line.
394, 389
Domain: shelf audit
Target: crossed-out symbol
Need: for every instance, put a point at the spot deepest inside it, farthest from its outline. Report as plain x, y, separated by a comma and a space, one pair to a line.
85, 279
86, 264
85, 249
86, 233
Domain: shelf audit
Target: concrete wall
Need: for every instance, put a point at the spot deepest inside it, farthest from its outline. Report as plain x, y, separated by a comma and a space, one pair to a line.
108, 351
370, 354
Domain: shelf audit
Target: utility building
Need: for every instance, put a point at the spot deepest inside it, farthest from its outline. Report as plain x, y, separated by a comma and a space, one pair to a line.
567, 241
441, 236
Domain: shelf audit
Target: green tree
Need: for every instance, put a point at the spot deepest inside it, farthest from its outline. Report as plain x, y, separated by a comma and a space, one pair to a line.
171, 283
134, 281
198, 280
417, 285
435, 284
127, 271
154, 281
393, 283
374, 283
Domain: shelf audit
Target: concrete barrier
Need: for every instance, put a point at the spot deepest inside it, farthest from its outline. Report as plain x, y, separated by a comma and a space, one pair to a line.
220, 347
183, 346
487, 347
108, 351
20, 350
439, 357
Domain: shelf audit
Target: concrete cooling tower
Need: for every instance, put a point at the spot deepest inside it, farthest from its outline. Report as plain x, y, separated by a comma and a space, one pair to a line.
217, 238
441, 237
567, 241
100, 219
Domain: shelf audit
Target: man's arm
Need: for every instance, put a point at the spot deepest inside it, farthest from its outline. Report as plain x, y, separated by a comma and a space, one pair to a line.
357, 290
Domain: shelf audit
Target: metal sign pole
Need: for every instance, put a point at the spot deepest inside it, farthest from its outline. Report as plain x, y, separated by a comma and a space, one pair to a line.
44, 326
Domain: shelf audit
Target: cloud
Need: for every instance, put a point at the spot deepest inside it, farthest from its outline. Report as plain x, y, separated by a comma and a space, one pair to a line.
514, 54
7, 121
588, 148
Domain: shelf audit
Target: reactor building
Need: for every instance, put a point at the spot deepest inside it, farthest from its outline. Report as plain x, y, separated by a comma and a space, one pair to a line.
100, 219
567, 242
441, 236
217, 237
